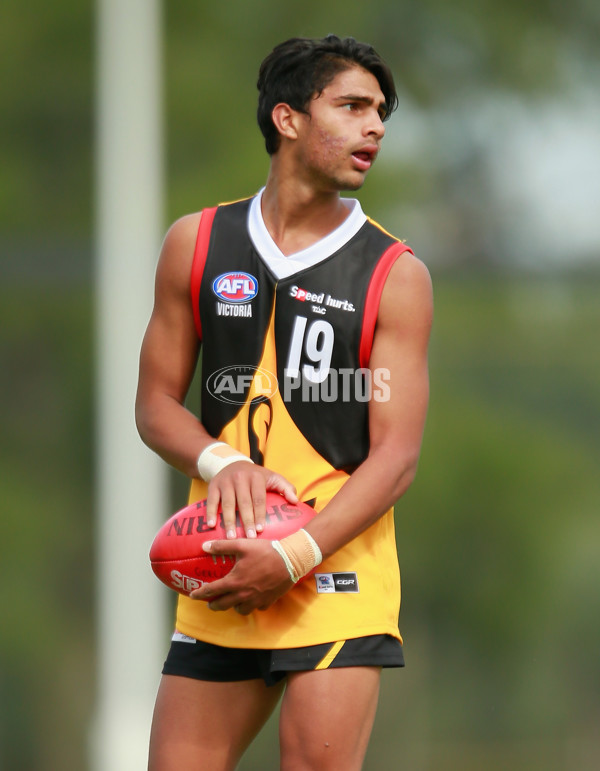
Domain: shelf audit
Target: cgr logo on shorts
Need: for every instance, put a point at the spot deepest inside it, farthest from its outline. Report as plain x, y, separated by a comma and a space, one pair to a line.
332, 583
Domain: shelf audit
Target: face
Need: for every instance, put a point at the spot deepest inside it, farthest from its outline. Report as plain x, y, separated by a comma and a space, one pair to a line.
340, 138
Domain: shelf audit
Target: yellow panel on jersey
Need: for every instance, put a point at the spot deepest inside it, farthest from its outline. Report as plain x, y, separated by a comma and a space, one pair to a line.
357, 590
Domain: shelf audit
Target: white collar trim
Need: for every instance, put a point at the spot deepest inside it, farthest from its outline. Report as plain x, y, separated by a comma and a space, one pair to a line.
284, 266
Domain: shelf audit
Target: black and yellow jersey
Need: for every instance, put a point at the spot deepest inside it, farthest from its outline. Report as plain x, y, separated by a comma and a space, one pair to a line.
286, 380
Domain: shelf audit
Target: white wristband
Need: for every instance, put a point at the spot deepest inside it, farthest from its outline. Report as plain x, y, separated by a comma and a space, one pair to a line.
216, 457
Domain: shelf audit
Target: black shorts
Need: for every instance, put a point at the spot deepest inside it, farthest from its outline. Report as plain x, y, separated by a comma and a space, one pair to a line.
204, 661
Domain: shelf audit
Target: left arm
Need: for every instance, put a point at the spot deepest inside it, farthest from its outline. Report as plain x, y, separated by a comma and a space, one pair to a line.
395, 432
395, 424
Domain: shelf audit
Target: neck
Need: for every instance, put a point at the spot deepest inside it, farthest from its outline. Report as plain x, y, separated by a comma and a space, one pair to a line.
295, 214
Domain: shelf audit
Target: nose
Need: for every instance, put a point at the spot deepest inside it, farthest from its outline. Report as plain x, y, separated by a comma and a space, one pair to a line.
374, 126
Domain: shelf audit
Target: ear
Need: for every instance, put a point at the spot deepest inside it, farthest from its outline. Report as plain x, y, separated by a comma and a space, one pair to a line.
286, 120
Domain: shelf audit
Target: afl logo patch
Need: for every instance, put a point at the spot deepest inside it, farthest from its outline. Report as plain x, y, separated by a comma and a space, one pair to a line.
235, 287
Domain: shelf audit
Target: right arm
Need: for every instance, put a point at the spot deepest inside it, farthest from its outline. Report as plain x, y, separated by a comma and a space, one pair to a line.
167, 363
168, 357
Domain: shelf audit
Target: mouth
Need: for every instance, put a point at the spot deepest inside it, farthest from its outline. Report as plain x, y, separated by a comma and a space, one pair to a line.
365, 157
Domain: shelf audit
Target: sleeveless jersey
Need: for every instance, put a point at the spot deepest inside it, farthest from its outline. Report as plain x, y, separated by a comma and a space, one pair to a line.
285, 380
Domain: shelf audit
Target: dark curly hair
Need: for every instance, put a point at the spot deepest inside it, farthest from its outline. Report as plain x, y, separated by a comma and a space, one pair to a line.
300, 68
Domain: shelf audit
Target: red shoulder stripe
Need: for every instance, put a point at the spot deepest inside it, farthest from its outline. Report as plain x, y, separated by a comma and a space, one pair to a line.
374, 291
199, 261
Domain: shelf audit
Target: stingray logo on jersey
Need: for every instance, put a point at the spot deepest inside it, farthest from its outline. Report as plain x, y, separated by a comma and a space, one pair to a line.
233, 384
236, 291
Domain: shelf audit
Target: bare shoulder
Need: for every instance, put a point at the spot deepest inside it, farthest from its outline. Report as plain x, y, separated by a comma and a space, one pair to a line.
177, 252
407, 298
180, 240
183, 231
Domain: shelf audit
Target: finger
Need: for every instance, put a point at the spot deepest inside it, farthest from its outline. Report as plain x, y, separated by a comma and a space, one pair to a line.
231, 547
281, 485
245, 508
205, 592
235, 599
213, 591
259, 502
228, 508
221, 600
213, 498
244, 608
225, 602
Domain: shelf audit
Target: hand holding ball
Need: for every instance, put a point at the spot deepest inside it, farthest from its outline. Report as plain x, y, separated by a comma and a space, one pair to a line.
177, 555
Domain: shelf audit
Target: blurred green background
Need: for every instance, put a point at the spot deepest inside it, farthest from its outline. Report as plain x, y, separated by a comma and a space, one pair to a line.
490, 170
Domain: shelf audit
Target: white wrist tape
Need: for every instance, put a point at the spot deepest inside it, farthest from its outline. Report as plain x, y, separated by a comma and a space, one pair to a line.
216, 457
300, 552
283, 554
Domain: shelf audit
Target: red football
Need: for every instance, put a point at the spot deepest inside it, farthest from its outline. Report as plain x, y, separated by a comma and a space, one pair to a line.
177, 556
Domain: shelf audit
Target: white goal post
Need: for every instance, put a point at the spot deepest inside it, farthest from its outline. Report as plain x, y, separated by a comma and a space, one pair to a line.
131, 483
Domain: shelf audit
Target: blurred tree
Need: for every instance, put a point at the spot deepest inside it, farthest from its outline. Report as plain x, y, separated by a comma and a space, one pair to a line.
498, 537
